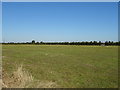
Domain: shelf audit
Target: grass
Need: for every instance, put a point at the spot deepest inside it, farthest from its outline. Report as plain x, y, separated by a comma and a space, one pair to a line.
64, 65
22, 79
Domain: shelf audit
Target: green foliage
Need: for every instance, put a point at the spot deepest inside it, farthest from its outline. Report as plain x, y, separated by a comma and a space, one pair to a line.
107, 43
33, 41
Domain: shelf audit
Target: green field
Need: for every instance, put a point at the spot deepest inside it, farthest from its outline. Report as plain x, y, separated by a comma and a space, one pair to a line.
66, 65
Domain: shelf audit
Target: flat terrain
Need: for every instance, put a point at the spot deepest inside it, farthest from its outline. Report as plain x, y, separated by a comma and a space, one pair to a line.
66, 66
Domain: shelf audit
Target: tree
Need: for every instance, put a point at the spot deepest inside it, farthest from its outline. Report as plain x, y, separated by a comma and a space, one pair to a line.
41, 42
33, 41
37, 42
94, 42
100, 42
106, 43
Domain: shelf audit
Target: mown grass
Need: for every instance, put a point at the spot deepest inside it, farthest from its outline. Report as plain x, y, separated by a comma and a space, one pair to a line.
67, 66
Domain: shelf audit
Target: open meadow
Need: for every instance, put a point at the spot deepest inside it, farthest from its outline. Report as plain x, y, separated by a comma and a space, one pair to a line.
62, 66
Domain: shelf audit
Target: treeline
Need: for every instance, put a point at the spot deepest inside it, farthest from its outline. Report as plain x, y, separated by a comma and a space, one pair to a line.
69, 43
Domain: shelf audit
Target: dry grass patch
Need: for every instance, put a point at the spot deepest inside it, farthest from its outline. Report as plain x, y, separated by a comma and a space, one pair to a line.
22, 79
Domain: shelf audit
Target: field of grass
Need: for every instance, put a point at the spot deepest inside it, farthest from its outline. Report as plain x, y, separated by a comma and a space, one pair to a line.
65, 66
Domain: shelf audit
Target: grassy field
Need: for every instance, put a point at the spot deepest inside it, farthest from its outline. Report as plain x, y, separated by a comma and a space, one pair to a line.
63, 66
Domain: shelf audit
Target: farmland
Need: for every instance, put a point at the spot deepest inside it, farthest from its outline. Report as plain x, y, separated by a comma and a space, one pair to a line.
66, 66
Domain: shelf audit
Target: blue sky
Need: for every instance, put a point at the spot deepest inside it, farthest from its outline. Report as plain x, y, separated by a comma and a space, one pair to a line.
60, 21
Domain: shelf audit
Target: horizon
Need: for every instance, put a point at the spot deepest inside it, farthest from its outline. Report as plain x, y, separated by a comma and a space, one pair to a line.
57, 41
60, 22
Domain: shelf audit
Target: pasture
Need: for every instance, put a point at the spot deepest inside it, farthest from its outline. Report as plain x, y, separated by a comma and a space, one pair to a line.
63, 66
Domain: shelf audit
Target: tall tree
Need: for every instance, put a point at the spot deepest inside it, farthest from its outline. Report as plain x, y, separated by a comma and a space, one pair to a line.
33, 41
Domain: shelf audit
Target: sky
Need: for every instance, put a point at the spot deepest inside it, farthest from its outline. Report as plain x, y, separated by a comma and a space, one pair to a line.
59, 21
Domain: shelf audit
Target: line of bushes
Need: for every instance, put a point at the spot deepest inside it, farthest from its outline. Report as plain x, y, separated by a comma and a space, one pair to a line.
68, 43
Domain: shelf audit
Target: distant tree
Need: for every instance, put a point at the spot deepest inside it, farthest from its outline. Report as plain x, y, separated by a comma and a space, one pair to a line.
33, 41
109, 43
106, 43
41, 42
68, 43
37, 42
119, 43
100, 42
112, 43
94, 42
